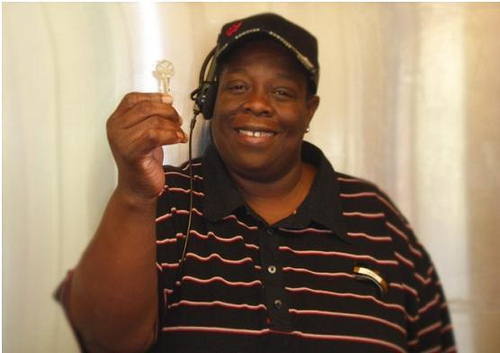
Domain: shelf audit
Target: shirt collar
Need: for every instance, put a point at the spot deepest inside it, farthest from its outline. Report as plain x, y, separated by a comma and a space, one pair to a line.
322, 206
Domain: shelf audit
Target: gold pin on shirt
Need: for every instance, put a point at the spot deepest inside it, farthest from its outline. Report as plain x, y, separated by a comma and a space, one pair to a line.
364, 273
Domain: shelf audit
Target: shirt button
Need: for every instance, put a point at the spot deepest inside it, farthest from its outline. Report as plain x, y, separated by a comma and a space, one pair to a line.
270, 231
271, 269
278, 304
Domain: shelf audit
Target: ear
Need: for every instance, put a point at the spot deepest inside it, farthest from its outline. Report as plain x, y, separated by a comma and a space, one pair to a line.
312, 104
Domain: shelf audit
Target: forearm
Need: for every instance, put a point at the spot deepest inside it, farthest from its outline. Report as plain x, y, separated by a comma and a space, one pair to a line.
113, 298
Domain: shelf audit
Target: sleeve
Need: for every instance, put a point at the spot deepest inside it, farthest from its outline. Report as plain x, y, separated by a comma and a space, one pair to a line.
62, 295
431, 331
165, 227
429, 327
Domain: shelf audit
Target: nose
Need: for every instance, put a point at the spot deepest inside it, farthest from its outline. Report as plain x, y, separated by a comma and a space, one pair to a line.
257, 103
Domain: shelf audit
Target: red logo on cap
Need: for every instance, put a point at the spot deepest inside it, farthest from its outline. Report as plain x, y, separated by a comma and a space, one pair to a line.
233, 29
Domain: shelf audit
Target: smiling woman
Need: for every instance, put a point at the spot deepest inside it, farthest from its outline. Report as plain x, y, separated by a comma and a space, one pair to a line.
256, 127
394, 110
273, 181
260, 117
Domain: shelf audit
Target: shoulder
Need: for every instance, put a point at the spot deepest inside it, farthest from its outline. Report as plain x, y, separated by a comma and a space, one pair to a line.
417, 277
363, 196
365, 192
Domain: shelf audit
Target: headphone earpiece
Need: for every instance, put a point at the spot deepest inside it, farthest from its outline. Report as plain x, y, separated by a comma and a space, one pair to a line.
206, 93
205, 98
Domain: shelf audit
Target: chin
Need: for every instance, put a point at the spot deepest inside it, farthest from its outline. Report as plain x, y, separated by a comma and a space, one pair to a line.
251, 165
262, 170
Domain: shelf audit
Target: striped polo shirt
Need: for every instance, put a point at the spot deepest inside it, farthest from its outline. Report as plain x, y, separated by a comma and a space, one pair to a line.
344, 272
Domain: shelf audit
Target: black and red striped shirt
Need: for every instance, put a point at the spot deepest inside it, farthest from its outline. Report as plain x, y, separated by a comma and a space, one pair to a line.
247, 286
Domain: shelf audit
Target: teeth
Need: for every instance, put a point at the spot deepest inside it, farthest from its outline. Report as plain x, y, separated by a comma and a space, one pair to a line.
256, 133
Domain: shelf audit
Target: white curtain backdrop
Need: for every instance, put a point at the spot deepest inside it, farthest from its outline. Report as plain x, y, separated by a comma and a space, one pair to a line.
409, 99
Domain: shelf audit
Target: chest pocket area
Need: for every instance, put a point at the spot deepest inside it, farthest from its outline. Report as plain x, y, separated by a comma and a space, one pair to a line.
340, 291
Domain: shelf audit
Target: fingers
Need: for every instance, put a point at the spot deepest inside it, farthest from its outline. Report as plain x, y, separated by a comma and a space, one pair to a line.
133, 98
147, 115
146, 110
136, 107
140, 125
146, 136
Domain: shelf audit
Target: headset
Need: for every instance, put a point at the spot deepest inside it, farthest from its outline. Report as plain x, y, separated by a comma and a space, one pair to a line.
204, 96
204, 100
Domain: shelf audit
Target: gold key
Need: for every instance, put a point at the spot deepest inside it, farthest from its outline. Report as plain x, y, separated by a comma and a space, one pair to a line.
164, 70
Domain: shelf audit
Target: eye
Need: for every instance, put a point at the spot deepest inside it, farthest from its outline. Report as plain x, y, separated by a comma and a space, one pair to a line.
283, 93
236, 87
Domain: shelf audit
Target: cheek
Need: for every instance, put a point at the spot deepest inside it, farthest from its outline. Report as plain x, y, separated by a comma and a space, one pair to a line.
215, 122
295, 120
219, 136
224, 107
214, 127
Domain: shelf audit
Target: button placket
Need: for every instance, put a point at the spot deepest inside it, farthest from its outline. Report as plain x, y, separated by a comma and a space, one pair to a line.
274, 287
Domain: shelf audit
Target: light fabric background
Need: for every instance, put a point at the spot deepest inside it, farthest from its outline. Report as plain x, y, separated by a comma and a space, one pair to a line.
409, 99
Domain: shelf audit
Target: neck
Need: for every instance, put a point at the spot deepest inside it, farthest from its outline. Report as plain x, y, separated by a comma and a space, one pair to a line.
276, 200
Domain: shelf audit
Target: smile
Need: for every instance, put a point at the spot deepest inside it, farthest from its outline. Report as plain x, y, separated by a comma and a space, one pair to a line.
256, 134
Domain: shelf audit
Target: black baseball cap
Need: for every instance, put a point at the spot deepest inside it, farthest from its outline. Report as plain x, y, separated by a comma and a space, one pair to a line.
302, 44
